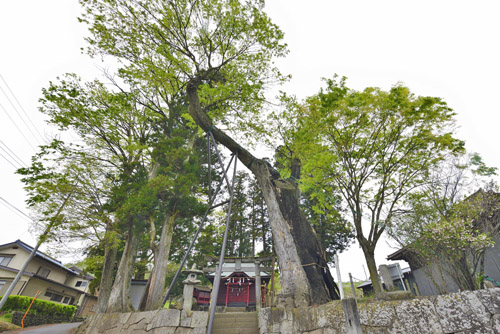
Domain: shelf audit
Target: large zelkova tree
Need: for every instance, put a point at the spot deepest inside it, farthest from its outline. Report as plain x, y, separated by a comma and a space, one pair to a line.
219, 53
374, 147
450, 221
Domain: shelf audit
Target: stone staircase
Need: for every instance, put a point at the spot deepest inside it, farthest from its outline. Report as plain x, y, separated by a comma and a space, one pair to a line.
234, 322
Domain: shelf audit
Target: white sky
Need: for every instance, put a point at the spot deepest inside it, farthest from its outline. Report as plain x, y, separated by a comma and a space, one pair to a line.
442, 48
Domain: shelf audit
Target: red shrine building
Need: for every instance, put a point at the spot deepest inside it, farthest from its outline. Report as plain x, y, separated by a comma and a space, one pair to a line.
240, 279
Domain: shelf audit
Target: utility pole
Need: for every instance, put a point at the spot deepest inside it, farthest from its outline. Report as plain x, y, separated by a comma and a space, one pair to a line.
42, 238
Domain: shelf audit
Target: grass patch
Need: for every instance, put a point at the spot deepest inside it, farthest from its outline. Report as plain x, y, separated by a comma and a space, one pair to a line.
6, 322
6, 317
348, 290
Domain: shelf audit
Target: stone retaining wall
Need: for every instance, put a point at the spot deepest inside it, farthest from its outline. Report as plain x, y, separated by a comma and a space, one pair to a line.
164, 321
458, 313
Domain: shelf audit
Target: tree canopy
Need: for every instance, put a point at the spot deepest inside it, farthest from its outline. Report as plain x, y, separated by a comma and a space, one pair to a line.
374, 147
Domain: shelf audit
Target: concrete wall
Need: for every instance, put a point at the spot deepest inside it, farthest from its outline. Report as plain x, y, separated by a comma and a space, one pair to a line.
164, 321
492, 260
460, 313
433, 279
8, 276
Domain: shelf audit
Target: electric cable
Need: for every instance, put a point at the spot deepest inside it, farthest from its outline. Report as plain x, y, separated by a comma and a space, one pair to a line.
24, 111
10, 162
17, 127
12, 154
11, 206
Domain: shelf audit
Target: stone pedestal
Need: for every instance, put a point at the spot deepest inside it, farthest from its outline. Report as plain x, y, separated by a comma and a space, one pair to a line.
189, 283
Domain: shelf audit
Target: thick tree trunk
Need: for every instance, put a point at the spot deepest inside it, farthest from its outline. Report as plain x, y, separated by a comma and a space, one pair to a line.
300, 286
313, 257
110, 251
119, 299
156, 282
372, 266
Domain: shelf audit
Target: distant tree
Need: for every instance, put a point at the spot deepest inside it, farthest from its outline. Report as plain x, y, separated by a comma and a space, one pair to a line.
333, 231
375, 148
449, 223
259, 220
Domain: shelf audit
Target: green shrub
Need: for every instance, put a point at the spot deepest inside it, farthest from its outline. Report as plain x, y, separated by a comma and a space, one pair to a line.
43, 307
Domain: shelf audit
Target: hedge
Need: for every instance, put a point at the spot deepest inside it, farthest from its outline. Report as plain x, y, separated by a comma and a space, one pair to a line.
42, 307
40, 319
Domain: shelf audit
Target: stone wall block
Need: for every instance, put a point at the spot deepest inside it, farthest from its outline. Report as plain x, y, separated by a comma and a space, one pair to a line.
305, 319
163, 330
417, 316
377, 314
199, 319
287, 326
139, 320
114, 321
199, 330
495, 323
185, 319
477, 307
329, 314
265, 323
490, 298
164, 318
455, 313
183, 330
277, 315
316, 331
374, 330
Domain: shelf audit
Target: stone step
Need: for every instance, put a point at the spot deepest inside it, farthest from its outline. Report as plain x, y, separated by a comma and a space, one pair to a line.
235, 331
242, 315
235, 323
231, 323
236, 309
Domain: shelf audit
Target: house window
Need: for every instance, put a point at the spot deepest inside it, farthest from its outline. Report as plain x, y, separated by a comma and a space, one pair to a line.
2, 283
48, 294
81, 284
56, 298
66, 300
72, 301
5, 260
44, 272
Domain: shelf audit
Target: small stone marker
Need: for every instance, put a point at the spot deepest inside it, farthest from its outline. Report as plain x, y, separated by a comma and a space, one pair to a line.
386, 276
351, 314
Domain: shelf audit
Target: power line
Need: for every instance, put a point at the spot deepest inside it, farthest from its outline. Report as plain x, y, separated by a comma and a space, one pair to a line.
10, 162
13, 156
17, 127
24, 111
11, 206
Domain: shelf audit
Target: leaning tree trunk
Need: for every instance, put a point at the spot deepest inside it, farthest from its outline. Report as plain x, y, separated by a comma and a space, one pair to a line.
119, 299
156, 283
305, 277
110, 252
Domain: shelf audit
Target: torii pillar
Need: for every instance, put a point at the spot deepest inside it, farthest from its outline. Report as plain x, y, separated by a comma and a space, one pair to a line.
258, 297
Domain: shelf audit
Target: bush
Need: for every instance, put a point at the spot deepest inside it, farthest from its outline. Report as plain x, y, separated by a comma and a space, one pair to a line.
42, 307
39, 319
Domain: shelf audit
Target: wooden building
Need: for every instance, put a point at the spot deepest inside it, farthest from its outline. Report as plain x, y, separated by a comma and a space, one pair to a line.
243, 281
